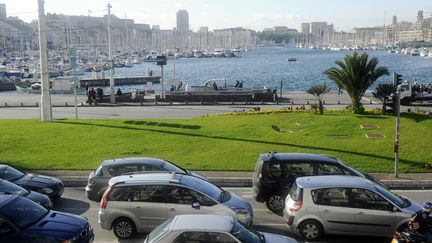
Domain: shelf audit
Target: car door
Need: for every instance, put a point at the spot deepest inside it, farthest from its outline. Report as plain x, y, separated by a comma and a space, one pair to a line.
148, 206
373, 214
179, 200
334, 209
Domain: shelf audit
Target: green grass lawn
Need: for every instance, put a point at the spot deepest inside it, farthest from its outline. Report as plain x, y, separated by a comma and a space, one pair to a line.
224, 142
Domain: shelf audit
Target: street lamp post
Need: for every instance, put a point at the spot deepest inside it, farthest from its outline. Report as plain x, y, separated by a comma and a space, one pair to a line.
111, 61
46, 108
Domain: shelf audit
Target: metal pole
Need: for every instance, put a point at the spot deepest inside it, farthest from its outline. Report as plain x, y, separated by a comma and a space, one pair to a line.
74, 79
281, 89
162, 84
396, 144
46, 108
111, 61
174, 67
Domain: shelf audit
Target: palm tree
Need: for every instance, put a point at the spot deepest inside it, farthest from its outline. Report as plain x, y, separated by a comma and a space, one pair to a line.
318, 90
382, 91
355, 76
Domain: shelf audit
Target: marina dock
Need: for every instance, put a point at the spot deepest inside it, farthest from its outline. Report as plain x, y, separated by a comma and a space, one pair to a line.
120, 81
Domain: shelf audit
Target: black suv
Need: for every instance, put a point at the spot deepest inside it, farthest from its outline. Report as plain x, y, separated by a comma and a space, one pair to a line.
275, 173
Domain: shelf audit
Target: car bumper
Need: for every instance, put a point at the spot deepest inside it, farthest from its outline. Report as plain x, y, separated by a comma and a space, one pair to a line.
289, 221
103, 221
92, 194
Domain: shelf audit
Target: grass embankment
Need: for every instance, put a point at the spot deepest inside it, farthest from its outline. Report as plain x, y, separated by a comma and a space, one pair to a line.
226, 142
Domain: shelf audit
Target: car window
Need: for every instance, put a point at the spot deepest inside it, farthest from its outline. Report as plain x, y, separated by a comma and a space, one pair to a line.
122, 169
10, 174
99, 171
329, 169
204, 237
159, 231
23, 212
191, 237
219, 237
150, 193
301, 169
181, 195
336, 197
368, 199
120, 193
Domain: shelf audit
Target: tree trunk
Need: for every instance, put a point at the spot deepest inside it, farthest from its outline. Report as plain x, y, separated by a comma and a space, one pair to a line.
320, 107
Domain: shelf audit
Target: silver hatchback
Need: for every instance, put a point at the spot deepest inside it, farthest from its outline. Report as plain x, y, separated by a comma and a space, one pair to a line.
345, 205
139, 203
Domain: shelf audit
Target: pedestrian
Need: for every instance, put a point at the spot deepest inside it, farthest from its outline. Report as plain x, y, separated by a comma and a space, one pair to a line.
89, 96
119, 92
100, 94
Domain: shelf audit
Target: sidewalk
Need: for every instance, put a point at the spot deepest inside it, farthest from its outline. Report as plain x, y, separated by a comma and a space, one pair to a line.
78, 178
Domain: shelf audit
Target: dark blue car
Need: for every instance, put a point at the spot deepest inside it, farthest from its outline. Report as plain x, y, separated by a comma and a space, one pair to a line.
7, 187
22, 220
50, 186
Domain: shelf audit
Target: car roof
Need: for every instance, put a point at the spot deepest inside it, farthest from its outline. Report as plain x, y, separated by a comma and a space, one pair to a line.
147, 177
6, 199
135, 160
328, 181
298, 157
203, 222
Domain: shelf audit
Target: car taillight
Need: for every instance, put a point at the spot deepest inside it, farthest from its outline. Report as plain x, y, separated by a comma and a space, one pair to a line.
260, 172
296, 206
105, 198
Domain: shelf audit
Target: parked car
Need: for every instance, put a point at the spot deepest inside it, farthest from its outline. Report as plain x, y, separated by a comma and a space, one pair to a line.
140, 202
210, 228
50, 186
7, 187
348, 205
275, 173
22, 220
98, 179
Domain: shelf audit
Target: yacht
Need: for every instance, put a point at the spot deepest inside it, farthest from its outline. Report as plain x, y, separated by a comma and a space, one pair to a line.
218, 53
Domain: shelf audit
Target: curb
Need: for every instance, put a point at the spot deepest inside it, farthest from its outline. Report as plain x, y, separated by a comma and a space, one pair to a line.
81, 181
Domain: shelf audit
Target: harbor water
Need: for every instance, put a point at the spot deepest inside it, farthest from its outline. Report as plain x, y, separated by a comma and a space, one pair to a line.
268, 66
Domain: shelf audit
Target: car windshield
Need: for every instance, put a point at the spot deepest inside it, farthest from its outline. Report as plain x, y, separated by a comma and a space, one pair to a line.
246, 234
23, 212
170, 167
392, 197
10, 174
205, 187
159, 231
9, 187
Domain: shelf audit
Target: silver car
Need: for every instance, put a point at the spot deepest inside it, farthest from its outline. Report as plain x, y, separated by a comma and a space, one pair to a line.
345, 205
139, 203
98, 179
210, 228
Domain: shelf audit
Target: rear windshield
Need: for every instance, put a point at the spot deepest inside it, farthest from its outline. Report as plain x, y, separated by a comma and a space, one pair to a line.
296, 193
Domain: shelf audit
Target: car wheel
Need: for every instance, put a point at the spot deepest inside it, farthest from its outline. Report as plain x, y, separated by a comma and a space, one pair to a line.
311, 230
123, 228
275, 203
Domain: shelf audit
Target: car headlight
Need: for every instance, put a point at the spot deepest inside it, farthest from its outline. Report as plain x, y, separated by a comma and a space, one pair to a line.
46, 190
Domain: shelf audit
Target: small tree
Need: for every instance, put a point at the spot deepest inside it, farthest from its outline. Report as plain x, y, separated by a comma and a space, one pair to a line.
318, 90
382, 91
354, 75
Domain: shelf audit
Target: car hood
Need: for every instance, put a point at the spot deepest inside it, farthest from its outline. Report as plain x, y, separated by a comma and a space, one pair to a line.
59, 225
273, 238
36, 181
42, 199
238, 202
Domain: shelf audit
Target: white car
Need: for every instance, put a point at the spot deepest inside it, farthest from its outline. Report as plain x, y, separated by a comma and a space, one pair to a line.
204, 228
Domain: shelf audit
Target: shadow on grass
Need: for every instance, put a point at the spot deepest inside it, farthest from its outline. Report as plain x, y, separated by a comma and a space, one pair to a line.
160, 124
416, 117
410, 162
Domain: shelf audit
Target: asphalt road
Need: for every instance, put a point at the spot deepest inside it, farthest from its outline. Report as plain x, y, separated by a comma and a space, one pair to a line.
75, 201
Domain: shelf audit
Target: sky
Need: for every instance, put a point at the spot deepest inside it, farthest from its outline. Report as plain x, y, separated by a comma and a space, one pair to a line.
251, 14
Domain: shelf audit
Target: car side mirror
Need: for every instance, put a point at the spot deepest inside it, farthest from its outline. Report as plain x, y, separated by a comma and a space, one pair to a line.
395, 209
196, 205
